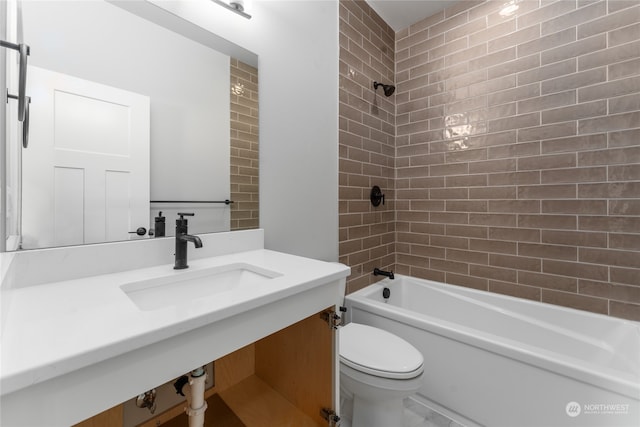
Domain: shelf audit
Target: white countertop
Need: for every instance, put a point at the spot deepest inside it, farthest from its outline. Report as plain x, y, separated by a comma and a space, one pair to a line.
52, 329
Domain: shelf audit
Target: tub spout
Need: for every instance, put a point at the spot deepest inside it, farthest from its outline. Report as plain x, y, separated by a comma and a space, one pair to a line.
378, 272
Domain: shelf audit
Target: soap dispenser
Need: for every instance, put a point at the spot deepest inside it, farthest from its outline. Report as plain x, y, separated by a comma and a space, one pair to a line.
159, 225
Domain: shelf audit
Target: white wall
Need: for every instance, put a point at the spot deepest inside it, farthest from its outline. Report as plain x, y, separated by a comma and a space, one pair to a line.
297, 46
299, 127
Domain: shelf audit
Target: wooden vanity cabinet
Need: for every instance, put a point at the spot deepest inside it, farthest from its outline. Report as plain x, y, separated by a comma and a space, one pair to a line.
285, 379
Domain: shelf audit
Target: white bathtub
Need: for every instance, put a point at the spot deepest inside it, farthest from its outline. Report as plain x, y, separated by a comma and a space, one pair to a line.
495, 360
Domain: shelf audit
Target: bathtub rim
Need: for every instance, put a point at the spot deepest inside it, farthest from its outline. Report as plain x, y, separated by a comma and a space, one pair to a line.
568, 366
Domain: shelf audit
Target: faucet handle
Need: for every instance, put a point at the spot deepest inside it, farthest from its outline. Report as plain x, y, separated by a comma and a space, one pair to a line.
181, 220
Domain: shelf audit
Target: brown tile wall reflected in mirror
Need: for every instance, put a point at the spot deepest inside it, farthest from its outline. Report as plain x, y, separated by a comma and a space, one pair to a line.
244, 146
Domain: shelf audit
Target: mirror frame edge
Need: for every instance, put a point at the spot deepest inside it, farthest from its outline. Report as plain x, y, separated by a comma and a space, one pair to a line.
3, 142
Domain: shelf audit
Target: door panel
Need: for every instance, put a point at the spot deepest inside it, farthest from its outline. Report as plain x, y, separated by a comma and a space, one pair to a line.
86, 172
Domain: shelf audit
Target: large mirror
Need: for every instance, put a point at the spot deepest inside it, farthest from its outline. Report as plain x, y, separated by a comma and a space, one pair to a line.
133, 112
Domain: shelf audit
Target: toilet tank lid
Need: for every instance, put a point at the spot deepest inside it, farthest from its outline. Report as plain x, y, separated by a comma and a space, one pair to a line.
378, 349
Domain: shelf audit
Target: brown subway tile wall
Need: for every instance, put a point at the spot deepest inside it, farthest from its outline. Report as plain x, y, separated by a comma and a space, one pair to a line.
517, 150
574, 91
244, 146
367, 140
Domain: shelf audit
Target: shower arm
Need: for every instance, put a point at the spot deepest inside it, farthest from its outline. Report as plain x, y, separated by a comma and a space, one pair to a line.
388, 89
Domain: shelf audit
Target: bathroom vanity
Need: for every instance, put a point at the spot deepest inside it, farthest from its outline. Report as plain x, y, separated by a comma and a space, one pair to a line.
265, 383
81, 336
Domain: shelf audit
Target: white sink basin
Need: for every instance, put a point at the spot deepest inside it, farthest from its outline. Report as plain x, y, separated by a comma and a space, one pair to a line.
181, 287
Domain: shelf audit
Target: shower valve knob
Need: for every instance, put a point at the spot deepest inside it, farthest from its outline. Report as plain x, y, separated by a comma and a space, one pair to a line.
376, 196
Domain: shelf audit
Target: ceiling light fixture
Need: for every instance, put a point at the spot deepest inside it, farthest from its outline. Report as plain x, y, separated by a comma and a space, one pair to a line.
509, 8
236, 6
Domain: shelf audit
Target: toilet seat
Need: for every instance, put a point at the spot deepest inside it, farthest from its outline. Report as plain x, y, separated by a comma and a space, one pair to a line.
377, 352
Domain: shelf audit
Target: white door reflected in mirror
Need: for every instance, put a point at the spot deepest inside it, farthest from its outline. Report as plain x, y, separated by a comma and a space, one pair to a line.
87, 179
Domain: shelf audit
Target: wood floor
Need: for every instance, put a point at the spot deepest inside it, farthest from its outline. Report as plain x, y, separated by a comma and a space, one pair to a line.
218, 414
250, 403
259, 405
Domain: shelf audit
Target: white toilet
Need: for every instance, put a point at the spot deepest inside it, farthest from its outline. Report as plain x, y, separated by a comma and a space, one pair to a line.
377, 370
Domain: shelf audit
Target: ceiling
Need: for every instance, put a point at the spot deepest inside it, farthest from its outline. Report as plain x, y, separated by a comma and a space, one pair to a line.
400, 14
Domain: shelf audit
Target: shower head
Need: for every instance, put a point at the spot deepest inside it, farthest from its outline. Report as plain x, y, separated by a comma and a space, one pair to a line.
388, 89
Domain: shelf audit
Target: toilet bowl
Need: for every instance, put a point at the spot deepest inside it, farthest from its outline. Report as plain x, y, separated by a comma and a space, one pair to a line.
377, 371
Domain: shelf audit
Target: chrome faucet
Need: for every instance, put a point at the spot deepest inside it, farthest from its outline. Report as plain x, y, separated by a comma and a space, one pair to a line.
182, 237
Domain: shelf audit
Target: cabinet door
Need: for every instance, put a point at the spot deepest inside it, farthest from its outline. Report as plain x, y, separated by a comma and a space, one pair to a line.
300, 363
109, 418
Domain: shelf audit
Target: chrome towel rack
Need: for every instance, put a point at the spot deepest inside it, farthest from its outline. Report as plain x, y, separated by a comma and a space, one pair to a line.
226, 202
